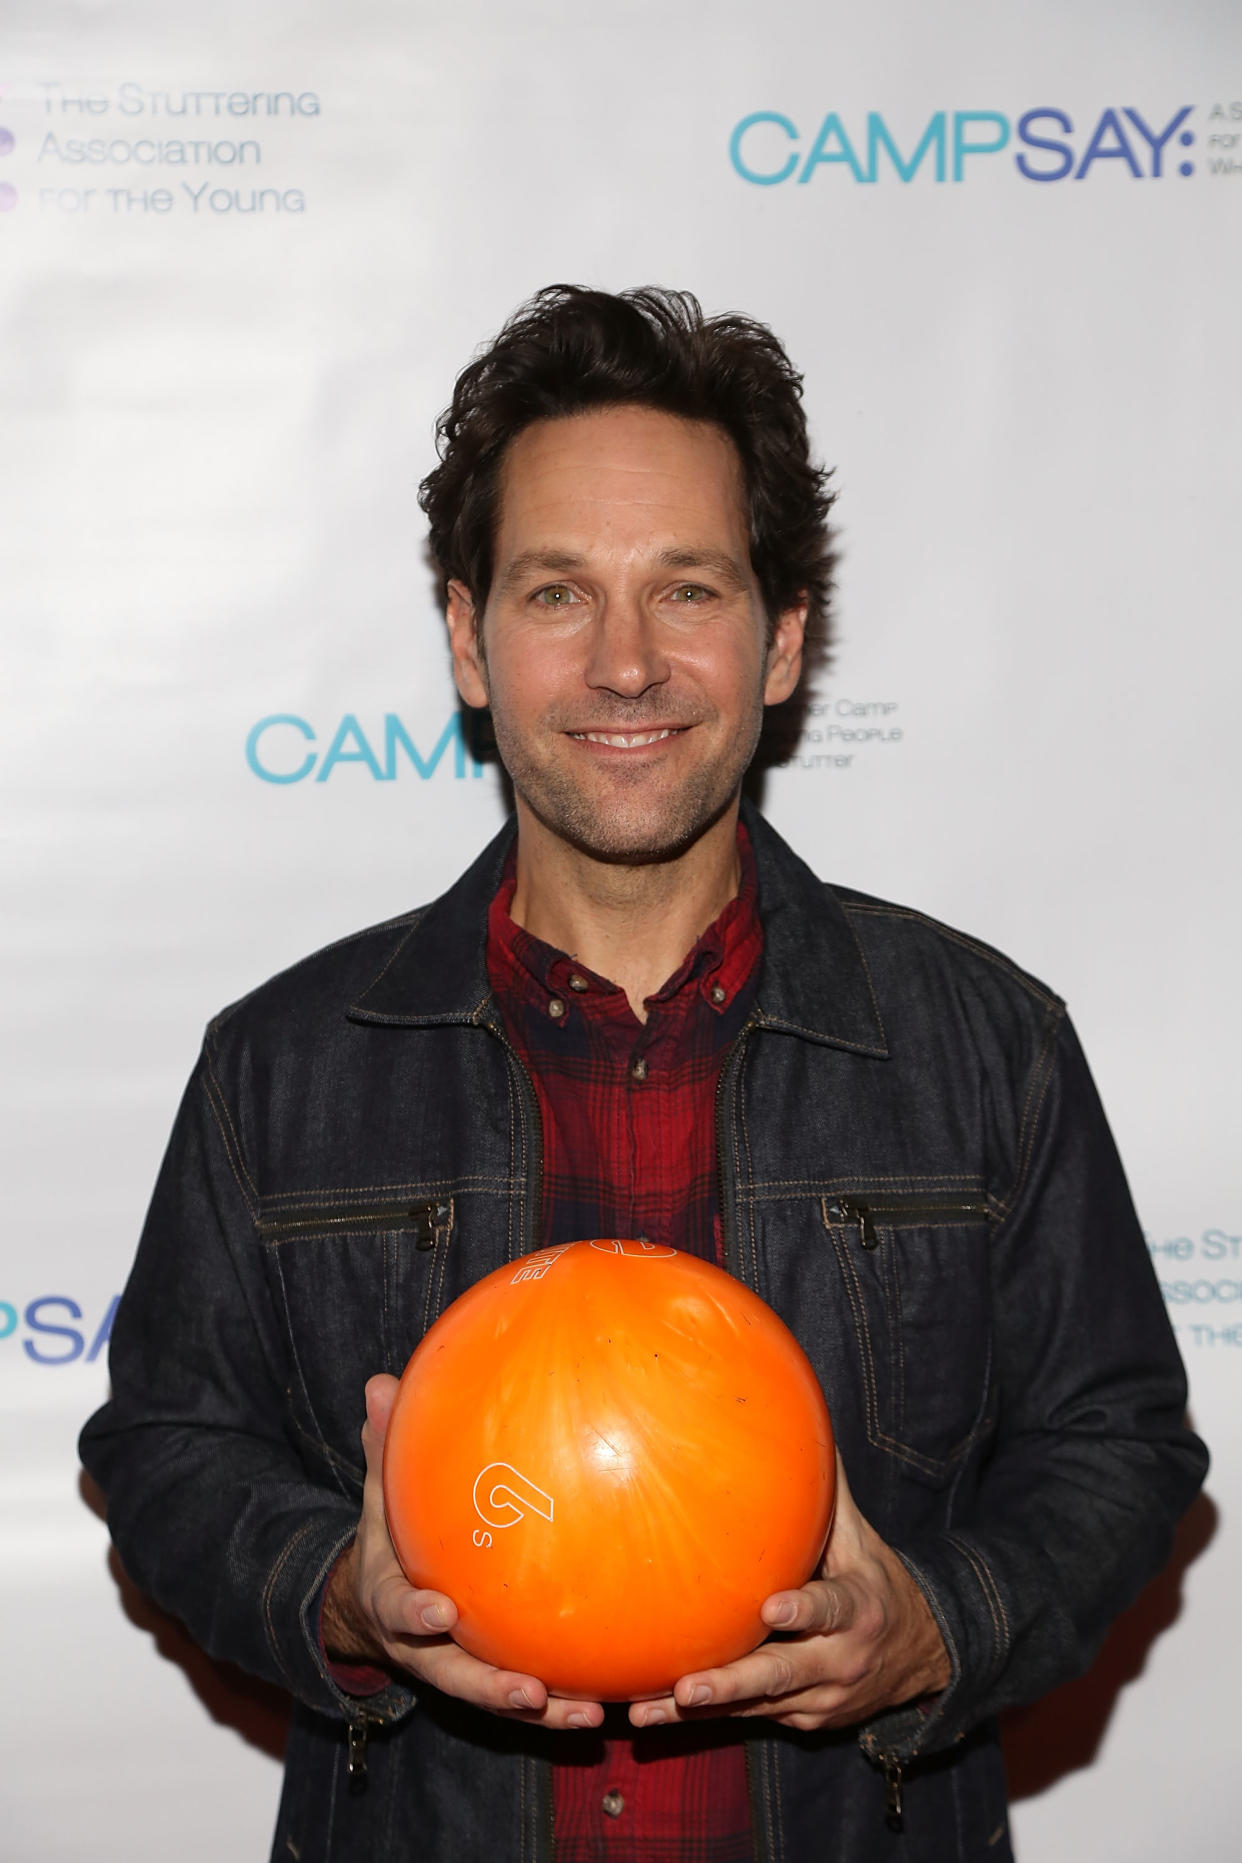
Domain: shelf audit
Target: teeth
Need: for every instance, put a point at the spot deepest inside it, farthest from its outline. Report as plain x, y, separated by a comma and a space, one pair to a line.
623, 740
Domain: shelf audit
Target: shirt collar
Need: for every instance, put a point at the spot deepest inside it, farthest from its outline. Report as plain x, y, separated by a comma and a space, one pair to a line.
717, 965
814, 982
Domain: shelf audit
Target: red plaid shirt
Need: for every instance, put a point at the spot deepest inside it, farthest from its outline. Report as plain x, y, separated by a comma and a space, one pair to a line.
629, 1149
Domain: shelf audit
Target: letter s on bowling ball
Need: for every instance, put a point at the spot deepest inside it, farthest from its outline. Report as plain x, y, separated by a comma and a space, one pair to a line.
608, 1455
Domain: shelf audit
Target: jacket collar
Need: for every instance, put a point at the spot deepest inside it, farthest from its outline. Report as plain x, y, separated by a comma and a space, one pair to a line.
814, 981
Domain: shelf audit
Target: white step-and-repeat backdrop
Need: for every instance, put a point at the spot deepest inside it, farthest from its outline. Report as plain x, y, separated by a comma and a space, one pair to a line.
243, 251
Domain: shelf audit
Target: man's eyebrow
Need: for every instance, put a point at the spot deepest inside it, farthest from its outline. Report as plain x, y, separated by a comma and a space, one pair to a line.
717, 563
540, 563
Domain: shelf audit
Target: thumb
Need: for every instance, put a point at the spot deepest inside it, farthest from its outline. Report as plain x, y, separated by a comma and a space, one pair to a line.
381, 1393
843, 1500
848, 1529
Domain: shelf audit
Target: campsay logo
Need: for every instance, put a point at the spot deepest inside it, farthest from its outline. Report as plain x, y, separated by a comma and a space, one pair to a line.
53, 1329
769, 147
286, 748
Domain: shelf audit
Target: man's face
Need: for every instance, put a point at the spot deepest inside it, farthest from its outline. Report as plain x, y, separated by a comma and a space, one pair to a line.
624, 645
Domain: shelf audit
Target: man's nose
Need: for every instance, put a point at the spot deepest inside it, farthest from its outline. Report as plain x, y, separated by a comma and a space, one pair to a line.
626, 655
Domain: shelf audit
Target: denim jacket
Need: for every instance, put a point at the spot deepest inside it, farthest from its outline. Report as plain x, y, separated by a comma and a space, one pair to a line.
915, 1172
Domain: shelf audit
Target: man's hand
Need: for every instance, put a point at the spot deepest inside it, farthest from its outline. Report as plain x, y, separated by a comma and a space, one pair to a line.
863, 1639
372, 1615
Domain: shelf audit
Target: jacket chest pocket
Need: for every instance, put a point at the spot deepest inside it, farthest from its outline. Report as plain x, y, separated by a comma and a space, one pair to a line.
357, 1281
915, 1269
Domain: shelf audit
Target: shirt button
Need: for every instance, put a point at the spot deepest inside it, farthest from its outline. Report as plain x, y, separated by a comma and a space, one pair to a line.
613, 1804
556, 1008
578, 983
639, 1070
719, 993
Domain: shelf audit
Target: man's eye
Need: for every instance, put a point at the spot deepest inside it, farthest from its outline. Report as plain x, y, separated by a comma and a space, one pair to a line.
557, 595
691, 593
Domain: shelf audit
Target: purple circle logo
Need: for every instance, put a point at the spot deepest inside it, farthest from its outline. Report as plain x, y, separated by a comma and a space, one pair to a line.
8, 196
6, 141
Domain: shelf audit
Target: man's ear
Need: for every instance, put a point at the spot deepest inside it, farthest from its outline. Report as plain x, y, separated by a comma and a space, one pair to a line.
469, 665
784, 662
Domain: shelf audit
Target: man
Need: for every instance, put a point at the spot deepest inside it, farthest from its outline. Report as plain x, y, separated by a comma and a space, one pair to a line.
640, 1014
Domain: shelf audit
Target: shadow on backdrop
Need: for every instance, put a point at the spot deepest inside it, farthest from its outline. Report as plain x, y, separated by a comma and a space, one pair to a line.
255, 1710
1043, 1743
1062, 1733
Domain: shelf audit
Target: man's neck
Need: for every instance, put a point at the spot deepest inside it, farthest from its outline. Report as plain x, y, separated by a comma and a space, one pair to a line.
631, 924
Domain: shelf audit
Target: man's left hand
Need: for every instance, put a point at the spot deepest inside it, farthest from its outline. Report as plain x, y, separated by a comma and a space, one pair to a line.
862, 1639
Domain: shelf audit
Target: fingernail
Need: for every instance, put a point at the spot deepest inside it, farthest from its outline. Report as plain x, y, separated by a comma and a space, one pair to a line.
699, 1695
520, 1699
579, 1720
785, 1614
434, 1617
653, 1717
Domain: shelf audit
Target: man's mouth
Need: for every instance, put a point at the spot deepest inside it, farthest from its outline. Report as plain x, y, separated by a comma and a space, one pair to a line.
626, 740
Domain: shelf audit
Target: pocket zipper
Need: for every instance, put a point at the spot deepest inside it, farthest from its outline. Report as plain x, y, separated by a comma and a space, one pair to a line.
356, 1732
430, 1222
894, 1811
918, 1207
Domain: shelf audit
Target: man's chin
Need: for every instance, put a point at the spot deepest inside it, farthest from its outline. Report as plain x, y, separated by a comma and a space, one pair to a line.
632, 839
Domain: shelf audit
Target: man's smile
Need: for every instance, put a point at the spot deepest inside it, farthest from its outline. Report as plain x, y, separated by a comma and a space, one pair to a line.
627, 740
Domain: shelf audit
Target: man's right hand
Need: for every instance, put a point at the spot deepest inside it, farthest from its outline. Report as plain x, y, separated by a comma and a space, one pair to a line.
373, 1615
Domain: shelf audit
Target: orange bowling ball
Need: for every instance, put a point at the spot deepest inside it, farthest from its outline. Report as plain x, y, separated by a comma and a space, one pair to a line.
608, 1455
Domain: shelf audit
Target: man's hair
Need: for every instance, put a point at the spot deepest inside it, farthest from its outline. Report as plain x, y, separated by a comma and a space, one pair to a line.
569, 350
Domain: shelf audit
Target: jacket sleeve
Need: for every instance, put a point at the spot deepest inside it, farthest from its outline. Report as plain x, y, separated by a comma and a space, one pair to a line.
1092, 1464
209, 1505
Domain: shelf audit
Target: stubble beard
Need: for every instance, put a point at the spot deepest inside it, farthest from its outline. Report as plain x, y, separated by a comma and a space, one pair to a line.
640, 824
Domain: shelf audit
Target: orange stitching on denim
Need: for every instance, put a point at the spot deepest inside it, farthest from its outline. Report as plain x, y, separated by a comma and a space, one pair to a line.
996, 958
232, 1144
1026, 1145
996, 1593
991, 1595
340, 1463
899, 1337
397, 950
879, 1020
359, 1193
750, 1167
853, 1294
921, 1180
780, 1025
268, 1589
291, 1339
436, 1273
765, 1763
245, 1196
776, 1799
512, 1178
935, 1466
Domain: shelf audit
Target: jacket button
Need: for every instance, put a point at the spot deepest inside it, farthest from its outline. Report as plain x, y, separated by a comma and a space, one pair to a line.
613, 1804
719, 992
578, 983
639, 1070
556, 1009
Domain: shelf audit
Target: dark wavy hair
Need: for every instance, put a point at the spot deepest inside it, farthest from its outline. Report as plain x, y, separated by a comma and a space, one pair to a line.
569, 350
